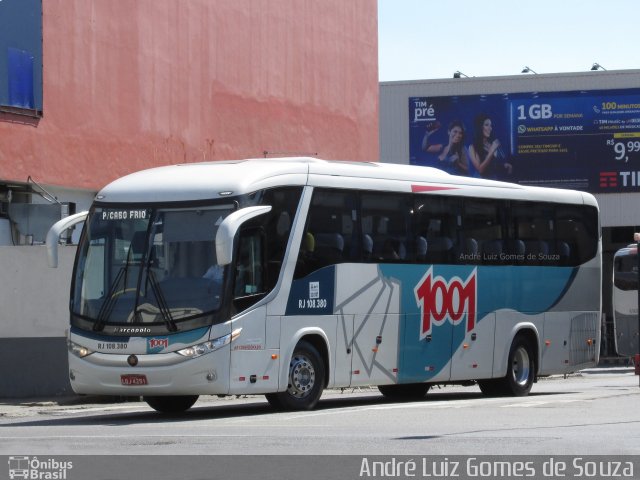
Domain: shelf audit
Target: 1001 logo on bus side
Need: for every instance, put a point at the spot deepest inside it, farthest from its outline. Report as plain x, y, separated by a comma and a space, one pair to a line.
441, 300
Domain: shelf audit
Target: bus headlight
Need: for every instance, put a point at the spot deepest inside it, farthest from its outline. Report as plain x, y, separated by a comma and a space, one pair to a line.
210, 346
78, 350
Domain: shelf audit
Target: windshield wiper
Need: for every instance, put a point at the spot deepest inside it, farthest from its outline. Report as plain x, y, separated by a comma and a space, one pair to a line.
162, 303
107, 307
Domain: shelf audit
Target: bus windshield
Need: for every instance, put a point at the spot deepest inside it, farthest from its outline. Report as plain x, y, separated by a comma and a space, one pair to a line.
149, 266
625, 269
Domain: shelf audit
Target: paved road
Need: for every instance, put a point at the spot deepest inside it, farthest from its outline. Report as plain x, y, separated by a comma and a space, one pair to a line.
595, 412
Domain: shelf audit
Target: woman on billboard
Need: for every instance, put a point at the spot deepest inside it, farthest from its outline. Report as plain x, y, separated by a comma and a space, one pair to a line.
453, 156
487, 156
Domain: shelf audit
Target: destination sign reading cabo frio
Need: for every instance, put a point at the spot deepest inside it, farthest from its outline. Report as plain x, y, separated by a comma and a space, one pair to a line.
125, 214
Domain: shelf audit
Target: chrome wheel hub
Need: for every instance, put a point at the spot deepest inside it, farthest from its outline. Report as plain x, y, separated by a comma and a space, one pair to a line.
520, 367
302, 376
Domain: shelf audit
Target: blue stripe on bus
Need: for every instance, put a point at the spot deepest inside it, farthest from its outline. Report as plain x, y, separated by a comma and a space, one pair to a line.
528, 290
518, 288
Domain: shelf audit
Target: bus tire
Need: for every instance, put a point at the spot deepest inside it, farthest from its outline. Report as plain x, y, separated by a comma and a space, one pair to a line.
520, 369
520, 372
305, 380
171, 404
404, 392
491, 388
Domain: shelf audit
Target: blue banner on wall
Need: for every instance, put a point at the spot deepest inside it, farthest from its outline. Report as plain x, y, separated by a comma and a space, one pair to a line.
20, 74
21, 54
586, 140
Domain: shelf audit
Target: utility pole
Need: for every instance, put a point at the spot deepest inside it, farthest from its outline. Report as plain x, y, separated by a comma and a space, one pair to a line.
636, 238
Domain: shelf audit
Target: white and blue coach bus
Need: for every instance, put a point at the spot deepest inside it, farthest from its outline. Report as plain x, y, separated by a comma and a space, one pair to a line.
284, 277
625, 300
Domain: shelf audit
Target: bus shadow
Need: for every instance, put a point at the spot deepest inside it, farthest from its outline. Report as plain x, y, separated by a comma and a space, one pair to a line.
209, 410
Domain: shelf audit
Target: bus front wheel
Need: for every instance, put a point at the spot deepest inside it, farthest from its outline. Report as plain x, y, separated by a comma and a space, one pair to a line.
305, 380
172, 404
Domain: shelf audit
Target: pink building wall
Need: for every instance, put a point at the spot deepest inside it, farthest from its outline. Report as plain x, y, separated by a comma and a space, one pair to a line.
131, 84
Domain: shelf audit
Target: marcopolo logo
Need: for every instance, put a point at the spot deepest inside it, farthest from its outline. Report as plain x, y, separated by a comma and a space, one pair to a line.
38, 469
441, 300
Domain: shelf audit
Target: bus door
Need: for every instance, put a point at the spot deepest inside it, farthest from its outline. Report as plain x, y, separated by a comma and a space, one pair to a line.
254, 355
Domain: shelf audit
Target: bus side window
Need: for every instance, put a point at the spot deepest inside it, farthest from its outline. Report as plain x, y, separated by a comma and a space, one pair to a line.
578, 227
328, 242
277, 226
386, 223
330, 236
484, 222
436, 223
249, 281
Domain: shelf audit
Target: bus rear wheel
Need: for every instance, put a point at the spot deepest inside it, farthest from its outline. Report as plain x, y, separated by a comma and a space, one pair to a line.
305, 381
520, 372
409, 391
491, 388
171, 404
521, 368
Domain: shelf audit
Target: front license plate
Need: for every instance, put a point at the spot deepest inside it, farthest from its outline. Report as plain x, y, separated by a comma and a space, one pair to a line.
133, 379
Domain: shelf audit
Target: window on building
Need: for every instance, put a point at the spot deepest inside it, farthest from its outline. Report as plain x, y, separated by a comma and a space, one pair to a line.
21, 57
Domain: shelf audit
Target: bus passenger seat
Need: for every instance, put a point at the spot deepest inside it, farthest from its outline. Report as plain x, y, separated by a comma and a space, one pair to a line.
421, 249
329, 247
492, 247
564, 251
471, 246
533, 250
367, 247
517, 247
468, 252
492, 250
402, 250
440, 249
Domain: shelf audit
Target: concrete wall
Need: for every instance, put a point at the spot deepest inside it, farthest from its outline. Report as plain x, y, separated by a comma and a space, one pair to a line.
33, 320
134, 84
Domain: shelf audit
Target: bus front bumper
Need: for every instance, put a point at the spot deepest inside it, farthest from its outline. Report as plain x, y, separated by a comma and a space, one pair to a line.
153, 374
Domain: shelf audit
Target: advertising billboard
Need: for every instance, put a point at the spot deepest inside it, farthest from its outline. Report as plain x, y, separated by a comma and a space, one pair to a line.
585, 140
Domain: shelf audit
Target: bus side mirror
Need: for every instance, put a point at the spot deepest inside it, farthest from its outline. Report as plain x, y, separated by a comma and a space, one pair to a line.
228, 228
53, 235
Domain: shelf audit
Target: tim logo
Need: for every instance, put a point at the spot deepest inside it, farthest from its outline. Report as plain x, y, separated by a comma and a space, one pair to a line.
441, 301
157, 343
608, 179
423, 110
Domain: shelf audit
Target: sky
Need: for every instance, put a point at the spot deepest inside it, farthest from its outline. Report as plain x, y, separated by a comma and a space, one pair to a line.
429, 39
